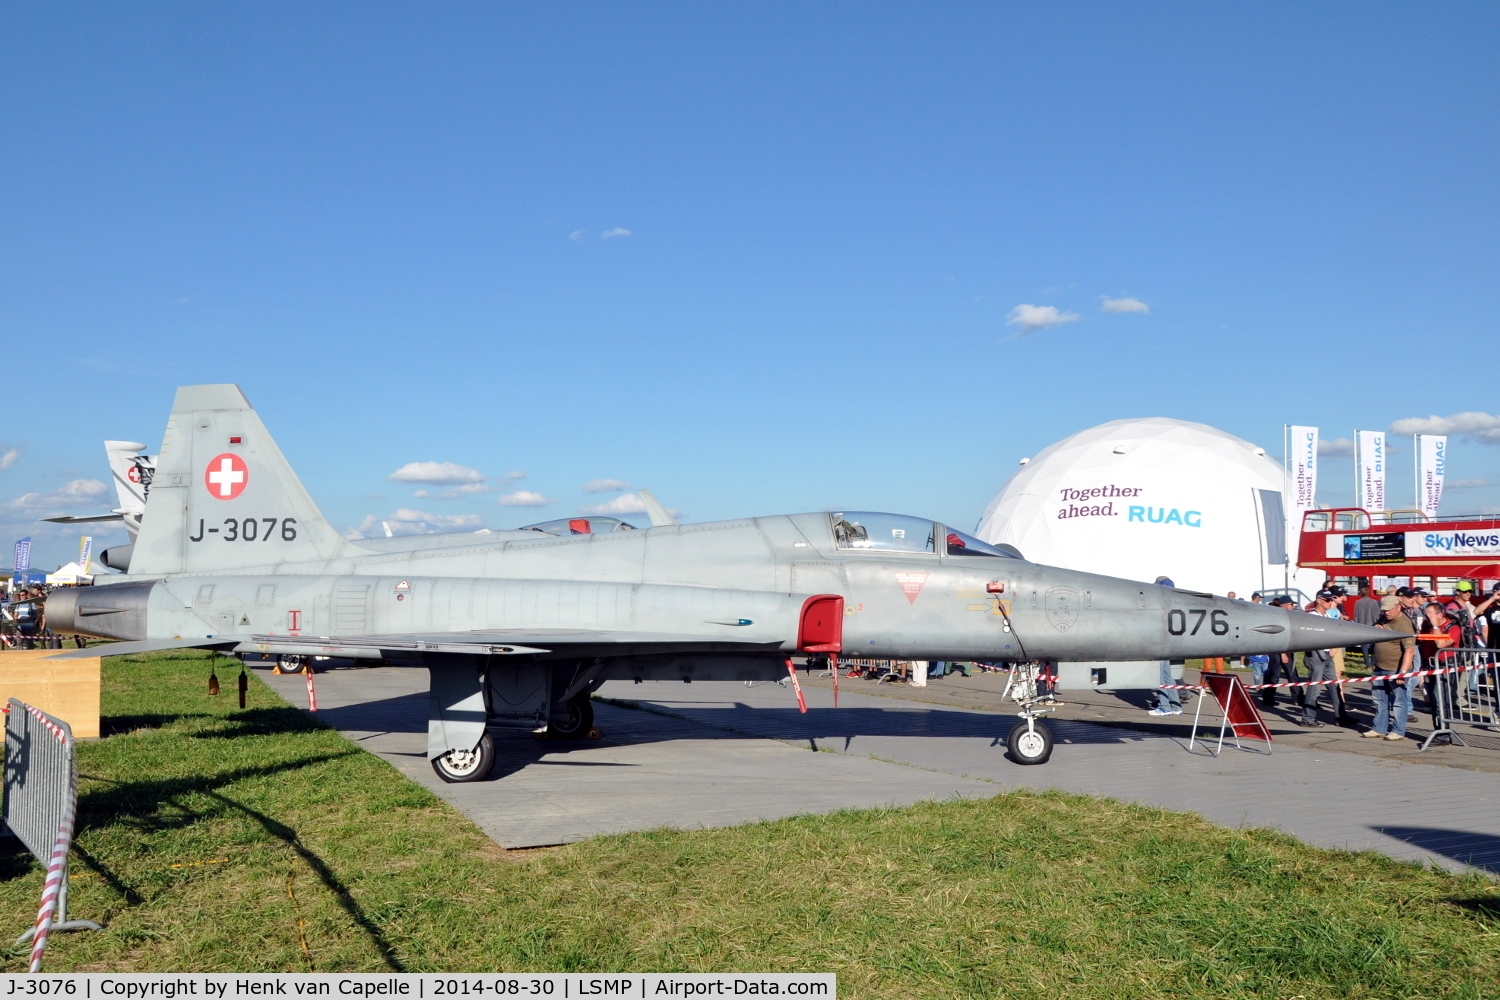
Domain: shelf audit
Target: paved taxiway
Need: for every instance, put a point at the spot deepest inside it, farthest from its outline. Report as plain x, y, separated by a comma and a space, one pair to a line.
707, 755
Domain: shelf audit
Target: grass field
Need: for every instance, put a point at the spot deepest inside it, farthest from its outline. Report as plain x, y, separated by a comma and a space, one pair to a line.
215, 839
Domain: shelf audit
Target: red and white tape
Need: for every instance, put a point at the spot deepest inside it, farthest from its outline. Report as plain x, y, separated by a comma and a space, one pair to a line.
1340, 680
58, 862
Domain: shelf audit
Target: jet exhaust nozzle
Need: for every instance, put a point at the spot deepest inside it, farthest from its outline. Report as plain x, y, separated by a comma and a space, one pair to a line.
107, 612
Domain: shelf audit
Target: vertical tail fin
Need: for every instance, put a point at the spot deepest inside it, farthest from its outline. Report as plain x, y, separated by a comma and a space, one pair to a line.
132, 470
223, 497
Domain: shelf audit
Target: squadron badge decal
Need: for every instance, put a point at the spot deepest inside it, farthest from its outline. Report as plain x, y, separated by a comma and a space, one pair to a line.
1062, 607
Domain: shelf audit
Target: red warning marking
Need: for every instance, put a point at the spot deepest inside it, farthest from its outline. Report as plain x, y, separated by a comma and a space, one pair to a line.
911, 584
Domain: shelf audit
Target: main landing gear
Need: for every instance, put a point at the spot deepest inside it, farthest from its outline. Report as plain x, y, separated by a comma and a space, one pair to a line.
576, 720
467, 765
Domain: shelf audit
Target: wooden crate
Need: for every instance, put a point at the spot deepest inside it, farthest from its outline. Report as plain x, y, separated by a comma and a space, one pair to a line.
67, 689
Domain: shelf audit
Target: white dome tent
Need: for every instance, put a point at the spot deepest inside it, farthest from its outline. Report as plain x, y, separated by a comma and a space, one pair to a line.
1155, 497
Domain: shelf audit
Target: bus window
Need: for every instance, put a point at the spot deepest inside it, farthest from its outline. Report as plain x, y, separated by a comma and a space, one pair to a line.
1350, 520
1315, 521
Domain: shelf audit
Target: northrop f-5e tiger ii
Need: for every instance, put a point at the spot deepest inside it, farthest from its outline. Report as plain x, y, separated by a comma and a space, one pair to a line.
517, 630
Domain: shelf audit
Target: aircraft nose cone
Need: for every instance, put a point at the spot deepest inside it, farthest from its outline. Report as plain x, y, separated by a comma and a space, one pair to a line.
1307, 631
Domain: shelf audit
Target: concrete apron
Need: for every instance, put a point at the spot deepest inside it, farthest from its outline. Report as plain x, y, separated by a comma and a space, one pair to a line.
711, 755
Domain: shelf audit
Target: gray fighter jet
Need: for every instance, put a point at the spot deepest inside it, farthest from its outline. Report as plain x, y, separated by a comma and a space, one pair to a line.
517, 632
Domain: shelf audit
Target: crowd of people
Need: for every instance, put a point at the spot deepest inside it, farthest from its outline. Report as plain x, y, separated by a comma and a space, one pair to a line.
23, 620
1429, 625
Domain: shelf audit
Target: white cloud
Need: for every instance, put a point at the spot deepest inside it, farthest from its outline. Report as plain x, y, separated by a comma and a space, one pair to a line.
604, 486
1124, 305
78, 493
1032, 318
1481, 427
406, 521
9, 458
440, 473
523, 498
1465, 484
625, 503
368, 528
577, 235
610, 234
468, 489
421, 495
514, 474
1335, 448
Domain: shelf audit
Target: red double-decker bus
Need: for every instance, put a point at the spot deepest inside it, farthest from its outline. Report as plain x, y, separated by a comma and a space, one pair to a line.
1401, 547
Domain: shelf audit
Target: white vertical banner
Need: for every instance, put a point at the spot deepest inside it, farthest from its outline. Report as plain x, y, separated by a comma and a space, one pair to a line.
85, 553
1369, 470
1302, 466
1432, 461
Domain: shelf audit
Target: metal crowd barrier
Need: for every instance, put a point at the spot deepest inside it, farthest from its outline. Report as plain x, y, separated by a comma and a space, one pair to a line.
1467, 693
41, 803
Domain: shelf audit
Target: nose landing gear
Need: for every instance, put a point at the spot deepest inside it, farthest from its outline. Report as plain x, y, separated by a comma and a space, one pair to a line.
1030, 742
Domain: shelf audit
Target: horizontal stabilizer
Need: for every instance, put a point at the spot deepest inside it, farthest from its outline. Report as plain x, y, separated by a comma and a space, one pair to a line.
73, 519
145, 646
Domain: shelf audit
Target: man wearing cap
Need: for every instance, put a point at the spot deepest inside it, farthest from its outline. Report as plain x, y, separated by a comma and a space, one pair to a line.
1320, 667
1280, 664
1461, 607
1394, 658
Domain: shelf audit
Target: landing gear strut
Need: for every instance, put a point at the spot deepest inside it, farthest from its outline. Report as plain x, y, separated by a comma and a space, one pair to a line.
1029, 742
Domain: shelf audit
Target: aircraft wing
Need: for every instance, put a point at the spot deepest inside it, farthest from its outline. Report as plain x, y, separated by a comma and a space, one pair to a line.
72, 519
512, 642
144, 646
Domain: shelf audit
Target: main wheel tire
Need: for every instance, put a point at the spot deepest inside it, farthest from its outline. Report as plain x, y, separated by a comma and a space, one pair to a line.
294, 664
1028, 746
467, 765
578, 721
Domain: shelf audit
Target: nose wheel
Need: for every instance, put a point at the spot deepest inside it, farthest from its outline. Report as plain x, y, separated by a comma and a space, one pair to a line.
1030, 742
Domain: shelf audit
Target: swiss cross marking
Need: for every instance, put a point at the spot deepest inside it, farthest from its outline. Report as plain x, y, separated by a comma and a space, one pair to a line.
226, 476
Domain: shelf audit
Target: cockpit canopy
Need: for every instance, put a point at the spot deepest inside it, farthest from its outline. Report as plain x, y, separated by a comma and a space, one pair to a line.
868, 530
568, 526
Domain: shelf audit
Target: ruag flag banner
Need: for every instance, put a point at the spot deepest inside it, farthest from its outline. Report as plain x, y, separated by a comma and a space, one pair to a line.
1302, 452
1369, 469
85, 552
23, 556
1432, 461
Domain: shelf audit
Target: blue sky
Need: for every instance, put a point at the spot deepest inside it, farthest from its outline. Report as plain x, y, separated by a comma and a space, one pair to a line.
389, 224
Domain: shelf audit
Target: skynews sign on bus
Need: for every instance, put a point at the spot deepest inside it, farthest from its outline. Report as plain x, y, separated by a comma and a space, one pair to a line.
1436, 544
